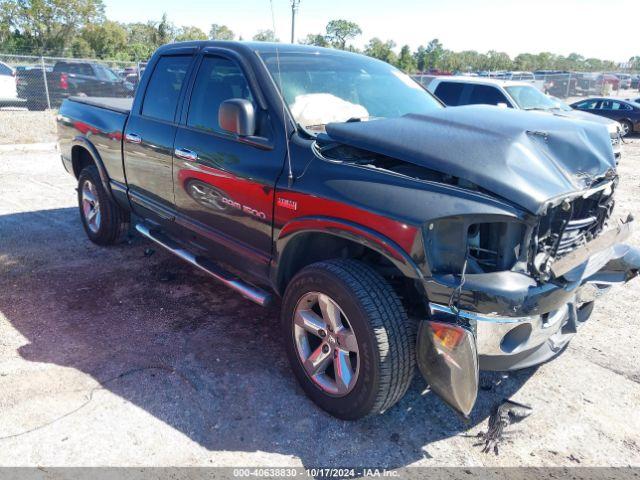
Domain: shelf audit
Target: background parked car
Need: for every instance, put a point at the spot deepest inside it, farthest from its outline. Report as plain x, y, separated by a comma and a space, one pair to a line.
596, 83
30, 86
458, 91
635, 81
622, 111
625, 80
7, 82
70, 78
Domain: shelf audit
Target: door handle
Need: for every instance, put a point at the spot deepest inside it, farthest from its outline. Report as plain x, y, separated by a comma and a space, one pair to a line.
186, 154
133, 138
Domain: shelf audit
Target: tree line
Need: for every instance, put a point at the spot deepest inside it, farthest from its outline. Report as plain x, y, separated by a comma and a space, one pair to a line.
79, 28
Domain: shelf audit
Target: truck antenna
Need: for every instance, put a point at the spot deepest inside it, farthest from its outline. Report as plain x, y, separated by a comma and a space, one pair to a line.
284, 106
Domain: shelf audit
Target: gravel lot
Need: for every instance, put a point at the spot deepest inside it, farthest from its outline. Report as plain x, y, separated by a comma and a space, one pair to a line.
27, 127
112, 357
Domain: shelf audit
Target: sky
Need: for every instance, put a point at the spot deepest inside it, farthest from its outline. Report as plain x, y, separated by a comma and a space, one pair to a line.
606, 29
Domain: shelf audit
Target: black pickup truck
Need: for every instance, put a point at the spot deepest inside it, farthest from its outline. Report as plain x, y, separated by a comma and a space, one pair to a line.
69, 78
394, 232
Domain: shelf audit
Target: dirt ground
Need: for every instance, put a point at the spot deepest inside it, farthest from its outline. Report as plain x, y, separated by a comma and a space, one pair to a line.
110, 356
20, 127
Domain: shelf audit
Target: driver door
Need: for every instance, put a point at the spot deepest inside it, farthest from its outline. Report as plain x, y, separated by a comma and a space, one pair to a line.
224, 184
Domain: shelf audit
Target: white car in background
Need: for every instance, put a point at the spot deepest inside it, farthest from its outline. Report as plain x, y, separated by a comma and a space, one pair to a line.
457, 91
8, 89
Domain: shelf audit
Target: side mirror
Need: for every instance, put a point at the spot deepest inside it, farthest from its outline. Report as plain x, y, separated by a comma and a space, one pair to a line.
238, 116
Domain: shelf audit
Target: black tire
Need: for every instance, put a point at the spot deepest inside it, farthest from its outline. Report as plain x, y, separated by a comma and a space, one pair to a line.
626, 124
114, 221
385, 336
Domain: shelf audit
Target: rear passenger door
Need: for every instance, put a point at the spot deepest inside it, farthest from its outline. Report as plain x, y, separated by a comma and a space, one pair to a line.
149, 135
224, 184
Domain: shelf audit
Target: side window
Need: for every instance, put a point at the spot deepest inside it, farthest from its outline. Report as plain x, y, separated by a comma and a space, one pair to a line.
587, 105
4, 70
606, 105
218, 79
84, 69
449, 93
485, 95
161, 98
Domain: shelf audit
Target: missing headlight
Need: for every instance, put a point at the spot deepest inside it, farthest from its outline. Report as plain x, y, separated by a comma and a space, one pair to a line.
495, 246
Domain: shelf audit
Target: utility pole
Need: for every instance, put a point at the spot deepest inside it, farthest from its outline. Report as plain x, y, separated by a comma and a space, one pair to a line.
294, 8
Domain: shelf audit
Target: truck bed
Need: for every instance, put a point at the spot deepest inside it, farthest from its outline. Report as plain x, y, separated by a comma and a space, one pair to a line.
120, 105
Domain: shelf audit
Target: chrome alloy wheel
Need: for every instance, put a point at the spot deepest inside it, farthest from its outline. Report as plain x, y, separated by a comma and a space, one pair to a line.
91, 206
624, 129
326, 344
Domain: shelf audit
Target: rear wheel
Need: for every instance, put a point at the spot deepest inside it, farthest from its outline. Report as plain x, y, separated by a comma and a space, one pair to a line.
104, 222
348, 338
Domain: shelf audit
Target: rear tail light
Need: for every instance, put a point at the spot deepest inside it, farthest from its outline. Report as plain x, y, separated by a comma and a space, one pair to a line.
64, 81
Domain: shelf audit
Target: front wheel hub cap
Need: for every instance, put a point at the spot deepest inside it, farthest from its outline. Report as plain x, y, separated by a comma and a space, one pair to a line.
326, 344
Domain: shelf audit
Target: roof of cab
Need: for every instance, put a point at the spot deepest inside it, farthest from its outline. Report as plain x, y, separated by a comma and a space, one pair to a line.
259, 47
483, 81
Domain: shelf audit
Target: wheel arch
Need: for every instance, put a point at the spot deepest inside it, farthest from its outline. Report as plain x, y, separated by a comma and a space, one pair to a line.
313, 239
84, 153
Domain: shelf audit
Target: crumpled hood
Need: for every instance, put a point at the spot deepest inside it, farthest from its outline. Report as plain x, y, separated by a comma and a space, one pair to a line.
525, 158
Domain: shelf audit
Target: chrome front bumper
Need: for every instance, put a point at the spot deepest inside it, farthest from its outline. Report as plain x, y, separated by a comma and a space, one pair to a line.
510, 343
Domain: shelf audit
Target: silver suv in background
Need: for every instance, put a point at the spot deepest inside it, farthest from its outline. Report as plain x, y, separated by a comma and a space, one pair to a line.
457, 91
7, 82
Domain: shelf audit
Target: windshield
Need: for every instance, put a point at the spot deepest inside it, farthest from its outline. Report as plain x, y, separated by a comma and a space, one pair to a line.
104, 73
530, 98
321, 88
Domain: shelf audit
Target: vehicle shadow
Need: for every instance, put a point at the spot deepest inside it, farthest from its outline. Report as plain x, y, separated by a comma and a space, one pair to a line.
193, 354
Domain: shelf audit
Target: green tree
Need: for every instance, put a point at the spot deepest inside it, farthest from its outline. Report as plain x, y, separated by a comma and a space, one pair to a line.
339, 31
433, 53
316, 39
141, 40
265, 36
376, 48
221, 32
419, 58
165, 32
106, 40
190, 33
80, 48
406, 62
498, 61
50, 25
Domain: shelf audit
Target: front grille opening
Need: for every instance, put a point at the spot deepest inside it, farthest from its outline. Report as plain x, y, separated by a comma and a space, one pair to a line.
569, 226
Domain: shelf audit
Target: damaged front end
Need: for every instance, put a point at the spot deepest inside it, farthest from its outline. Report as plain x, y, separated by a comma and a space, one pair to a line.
511, 268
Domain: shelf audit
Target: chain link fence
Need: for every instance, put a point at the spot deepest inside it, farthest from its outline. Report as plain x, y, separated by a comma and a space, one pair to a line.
42, 83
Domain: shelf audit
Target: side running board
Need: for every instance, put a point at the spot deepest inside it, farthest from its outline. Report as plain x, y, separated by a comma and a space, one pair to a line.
254, 294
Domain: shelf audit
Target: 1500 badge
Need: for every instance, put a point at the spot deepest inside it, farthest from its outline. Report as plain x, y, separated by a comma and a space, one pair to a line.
213, 198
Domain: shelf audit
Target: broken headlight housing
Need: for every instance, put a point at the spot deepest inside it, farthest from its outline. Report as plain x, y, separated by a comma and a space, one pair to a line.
486, 243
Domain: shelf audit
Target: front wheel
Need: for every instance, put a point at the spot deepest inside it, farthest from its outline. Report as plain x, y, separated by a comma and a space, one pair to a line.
348, 338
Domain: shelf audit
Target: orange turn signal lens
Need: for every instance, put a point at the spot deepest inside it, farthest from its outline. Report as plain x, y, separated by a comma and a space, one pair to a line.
449, 336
